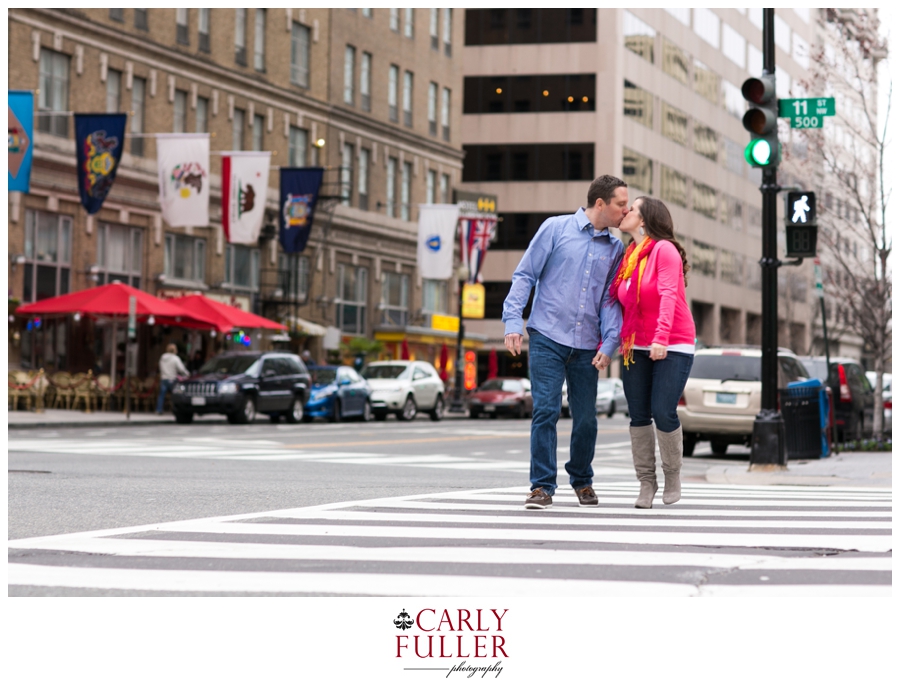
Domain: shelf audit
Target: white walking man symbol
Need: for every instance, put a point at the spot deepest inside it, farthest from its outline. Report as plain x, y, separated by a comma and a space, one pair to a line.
800, 209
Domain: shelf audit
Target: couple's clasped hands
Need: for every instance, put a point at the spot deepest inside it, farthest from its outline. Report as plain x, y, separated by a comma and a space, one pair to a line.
513, 342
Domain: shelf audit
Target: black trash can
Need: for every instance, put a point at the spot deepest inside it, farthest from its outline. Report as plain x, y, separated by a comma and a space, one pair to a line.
801, 410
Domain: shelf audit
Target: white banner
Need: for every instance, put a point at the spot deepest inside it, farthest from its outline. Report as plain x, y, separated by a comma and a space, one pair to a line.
437, 228
245, 184
183, 160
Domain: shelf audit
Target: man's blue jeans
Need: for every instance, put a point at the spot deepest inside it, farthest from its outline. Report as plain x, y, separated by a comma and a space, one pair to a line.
653, 388
164, 387
550, 364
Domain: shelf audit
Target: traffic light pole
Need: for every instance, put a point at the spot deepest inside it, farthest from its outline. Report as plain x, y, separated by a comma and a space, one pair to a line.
767, 449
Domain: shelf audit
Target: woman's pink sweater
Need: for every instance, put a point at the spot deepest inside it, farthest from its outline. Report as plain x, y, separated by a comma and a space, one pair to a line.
664, 314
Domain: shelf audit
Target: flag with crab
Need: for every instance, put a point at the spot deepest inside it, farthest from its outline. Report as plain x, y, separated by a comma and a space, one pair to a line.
475, 234
99, 139
245, 184
183, 160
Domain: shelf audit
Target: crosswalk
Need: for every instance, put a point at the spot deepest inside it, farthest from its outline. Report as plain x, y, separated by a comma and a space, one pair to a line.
720, 540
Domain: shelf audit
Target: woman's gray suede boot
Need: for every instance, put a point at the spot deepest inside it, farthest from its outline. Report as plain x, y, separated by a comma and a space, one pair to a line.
671, 450
643, 451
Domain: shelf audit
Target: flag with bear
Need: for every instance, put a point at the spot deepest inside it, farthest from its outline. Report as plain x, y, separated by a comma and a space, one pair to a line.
245, 184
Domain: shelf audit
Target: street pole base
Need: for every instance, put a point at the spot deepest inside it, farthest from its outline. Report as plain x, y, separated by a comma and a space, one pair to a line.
767, 446
767, 468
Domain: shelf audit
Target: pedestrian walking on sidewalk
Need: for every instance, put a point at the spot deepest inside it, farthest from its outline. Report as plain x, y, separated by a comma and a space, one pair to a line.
657, 343
573, 327
170, 368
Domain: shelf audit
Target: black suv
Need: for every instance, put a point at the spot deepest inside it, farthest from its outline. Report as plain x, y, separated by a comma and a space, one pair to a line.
240, 384
853, 396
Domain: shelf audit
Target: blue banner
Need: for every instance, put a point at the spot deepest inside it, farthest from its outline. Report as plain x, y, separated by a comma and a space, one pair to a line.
99, 140
299, 193
21, 137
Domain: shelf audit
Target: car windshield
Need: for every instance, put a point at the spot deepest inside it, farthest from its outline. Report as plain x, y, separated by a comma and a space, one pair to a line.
726, 367
388, 371
503, 385
605, 386
229, 366
323, 376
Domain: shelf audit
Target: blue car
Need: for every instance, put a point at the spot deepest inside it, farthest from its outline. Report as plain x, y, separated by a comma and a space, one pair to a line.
338, 393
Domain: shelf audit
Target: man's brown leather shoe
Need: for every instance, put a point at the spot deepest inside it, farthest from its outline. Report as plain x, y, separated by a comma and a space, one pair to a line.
538, 499
587, 497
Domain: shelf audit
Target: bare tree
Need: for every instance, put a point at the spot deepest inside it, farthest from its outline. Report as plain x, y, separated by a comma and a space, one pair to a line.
848, 157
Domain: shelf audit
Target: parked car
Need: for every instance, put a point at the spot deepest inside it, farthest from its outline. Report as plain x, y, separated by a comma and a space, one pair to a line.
611, 397
723, 394
886, 396
853, 397
338, 392
242, 384
405, 388
502, 396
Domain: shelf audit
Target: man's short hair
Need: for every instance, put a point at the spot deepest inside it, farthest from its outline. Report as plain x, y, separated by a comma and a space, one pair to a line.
604, 188
171, 348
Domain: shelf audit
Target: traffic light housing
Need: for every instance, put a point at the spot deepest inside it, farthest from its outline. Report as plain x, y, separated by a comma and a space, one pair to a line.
761, 120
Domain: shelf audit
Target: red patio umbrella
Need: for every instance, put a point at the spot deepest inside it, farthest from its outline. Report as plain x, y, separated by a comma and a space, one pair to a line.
444, 361
225, 317
492, 364
404, 350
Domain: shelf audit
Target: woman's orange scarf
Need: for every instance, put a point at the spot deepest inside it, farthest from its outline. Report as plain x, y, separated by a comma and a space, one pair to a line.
633, 257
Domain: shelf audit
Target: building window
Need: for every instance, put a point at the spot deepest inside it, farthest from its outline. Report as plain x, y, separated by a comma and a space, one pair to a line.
637, 171
406, 191
445, 114
434, 15
518, 228
703, 259
117, 14
448, 31
237, 129
181, 26
138, 90
733, 100
240, 36
300, 55
674, 124
707, 25
203, 29
734, 45
394, 299
547, 162
391, 187
179, 112
294, 283
407, 97
445, 188
782, 34
430, 186
731, 267
706, 142
140, 19
54, 95
202, 121
638, 104
529, 93
241, 267
349, 77
185, 258
395, 19
48, 250
365, 82
259, 123
113, 90
408, 22
393, 86
673, 186
352, 294
434, 296
704, 200
362, 187
298, 144
521, 25
367, 12
346, 174
706, 83
639, 37
731, 212
119, 253
675, 61
259, 41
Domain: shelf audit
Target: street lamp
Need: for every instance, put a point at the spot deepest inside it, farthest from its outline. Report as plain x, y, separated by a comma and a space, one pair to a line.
462, 275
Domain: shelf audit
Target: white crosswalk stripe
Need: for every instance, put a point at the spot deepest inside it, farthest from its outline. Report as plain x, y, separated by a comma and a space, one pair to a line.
719, 540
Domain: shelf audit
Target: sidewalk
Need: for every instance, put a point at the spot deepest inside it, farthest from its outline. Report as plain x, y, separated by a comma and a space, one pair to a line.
847, 469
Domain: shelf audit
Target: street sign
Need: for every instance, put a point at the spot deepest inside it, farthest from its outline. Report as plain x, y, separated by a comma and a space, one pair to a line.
820, 291
132, 317
806, 112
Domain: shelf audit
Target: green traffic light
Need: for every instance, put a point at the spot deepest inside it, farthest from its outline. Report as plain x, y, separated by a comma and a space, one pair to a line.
758, 153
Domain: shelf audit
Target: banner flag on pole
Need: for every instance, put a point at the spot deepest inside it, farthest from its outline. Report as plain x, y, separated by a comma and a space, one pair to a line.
245, 184
475, 237
437, 226
99, 140
183, 160
298, 195
21, 135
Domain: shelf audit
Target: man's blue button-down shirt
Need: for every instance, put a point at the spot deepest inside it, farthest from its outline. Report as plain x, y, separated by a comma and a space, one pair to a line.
571, 265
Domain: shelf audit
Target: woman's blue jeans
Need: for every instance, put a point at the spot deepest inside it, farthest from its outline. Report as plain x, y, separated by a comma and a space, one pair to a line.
653, 388
551, 363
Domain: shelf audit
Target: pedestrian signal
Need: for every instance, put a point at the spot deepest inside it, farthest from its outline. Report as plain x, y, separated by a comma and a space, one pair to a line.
761, 120
800, 230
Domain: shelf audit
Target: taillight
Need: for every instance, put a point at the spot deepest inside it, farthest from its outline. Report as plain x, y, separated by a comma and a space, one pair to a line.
845, 394
682, 402
887, 404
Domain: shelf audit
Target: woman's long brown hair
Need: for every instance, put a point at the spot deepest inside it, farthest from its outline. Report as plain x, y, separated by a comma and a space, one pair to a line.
660, 226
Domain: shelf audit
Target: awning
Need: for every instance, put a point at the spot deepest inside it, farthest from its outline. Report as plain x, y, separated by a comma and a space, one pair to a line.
224, 316
308, 327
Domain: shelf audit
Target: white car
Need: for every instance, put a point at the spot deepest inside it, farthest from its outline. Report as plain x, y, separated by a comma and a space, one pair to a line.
610, 397
405, 388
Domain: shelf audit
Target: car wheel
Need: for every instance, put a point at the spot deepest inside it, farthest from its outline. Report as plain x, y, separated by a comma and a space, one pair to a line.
437, 413
520, 411
367, 412
565, 412
409, 411
297, 412
380, 416
612, 410
247, 414
719, 447
335, 412
274, 418
184, 417
689, 442
473, 414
